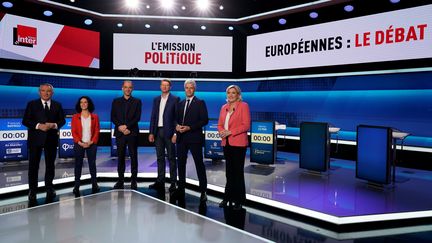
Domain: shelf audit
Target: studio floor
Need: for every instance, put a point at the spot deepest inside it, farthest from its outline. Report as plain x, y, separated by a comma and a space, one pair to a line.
336, 198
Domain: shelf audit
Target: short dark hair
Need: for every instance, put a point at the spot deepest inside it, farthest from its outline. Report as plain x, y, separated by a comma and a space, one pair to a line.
91, 107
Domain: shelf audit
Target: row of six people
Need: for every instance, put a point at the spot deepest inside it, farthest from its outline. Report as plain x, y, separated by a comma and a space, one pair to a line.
175, 128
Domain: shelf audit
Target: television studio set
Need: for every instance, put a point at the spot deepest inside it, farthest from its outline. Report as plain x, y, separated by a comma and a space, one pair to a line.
215, 121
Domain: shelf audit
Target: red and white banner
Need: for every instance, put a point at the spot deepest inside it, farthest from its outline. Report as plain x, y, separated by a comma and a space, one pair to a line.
173, 52
39, 41
397, 35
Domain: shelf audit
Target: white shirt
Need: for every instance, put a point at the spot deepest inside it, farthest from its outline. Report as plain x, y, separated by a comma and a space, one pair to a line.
49, 107
86, 129
48, 103
162, 105
228, 116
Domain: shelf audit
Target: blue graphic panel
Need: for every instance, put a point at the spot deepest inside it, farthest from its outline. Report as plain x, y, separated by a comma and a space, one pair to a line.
66, 144
212, 147
263, 143
13, 140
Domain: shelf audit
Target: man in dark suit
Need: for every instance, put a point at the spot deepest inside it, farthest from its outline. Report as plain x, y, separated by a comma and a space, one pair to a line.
43, 118
125, 114
192, 116
162, 130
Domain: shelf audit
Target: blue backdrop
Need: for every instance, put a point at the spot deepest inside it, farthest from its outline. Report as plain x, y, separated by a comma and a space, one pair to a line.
401, 100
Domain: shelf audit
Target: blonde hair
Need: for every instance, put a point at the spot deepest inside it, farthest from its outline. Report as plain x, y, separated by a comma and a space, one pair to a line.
237, 89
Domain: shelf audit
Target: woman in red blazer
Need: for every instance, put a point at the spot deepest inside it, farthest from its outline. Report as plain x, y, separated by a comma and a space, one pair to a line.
85, 132
233, 125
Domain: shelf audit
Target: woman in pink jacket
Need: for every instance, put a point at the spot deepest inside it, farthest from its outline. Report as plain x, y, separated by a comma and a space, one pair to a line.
233, 125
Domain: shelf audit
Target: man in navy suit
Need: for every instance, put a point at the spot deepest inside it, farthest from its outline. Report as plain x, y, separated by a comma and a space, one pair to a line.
43, 118
162, 132
125, 114
192, 116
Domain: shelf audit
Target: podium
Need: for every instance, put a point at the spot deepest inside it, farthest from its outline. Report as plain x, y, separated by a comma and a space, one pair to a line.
374, 154
314, 146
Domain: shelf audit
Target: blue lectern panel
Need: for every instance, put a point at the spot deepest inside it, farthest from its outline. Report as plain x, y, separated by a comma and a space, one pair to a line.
263, 146
13, 140
212, 147
314, 146
66, 144
373, 154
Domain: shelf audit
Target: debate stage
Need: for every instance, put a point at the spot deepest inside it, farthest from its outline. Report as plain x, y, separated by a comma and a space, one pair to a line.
335, 205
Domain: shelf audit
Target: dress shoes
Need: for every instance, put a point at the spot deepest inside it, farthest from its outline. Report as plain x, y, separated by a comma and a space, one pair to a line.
179, 193
76, 192
172, 188
203, 197
50, 194
32, 196
119, 185
95, 188
237, 206
157, 186
223, 204
134, 185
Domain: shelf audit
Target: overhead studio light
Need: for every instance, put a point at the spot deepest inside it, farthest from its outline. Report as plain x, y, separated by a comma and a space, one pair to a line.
88, 21
132, 3
313, 15
282, 21
349, 8
7, 4
203, 27
175, 27
47, 13
230, 28
147, 26
167, 4
119, 25
203, 4
221, 7
255, 26
183, 7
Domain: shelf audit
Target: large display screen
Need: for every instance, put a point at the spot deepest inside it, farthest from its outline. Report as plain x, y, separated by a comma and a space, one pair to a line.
397, 35
39, 41
172, 52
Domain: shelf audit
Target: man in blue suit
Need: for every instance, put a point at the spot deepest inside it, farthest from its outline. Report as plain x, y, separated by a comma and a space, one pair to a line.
43, 118
192, 116
162, 133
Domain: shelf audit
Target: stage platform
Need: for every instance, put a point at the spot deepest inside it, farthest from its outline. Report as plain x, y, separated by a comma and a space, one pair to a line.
328, 201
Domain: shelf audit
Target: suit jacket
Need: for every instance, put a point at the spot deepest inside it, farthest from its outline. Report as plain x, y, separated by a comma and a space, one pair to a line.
77, 128
196, 118
34, 114
238, 124
169, 115
126, 112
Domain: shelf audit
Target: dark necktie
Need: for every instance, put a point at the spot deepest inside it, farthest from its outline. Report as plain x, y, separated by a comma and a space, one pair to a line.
46, 108
185, 110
